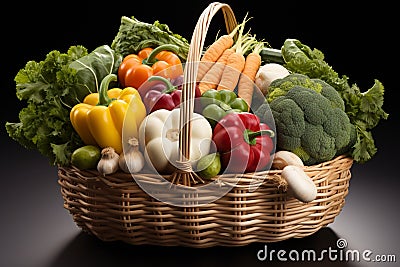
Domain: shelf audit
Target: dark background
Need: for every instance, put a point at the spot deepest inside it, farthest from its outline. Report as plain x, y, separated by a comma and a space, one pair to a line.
359, 41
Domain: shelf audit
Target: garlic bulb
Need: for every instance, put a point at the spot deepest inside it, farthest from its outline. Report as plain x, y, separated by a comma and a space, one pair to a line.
132, 161
108, 163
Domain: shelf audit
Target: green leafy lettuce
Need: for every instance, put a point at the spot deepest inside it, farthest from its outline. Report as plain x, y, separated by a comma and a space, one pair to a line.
50, 88
364, 109
83, 76
133, 35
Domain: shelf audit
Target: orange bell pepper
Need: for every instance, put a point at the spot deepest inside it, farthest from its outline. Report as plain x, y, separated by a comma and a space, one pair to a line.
135, 69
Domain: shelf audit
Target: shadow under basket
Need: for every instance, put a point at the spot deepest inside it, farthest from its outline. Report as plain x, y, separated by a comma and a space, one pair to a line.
116, 208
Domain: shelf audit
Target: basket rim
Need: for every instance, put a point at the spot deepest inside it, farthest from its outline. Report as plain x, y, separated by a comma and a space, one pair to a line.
120, 175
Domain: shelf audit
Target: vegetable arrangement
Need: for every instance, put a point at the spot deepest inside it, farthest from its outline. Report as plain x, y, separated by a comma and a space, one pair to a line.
117, 108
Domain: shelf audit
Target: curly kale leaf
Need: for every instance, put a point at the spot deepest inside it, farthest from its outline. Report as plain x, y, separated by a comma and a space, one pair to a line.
133, 35
44, 126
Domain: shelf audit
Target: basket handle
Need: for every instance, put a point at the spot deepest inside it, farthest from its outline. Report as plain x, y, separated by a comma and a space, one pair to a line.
190, 74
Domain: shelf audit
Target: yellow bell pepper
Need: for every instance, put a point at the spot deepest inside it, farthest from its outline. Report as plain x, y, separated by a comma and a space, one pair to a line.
99, 120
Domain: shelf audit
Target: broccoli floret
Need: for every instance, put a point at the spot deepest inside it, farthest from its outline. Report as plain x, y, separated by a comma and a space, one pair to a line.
318, 144
312, 105
291, 114
280, 87
353, 138
332, 95
309, 126
339, 126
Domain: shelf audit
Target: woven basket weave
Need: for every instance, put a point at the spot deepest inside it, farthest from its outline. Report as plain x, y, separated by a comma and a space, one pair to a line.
115, 207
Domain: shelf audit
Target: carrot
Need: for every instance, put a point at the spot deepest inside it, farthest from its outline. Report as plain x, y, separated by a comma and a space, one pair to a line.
214, 51
236, 61
213, 75
248, 75
231, 72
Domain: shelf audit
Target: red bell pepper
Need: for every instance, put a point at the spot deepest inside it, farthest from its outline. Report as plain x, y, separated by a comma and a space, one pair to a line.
243, 142
161, 93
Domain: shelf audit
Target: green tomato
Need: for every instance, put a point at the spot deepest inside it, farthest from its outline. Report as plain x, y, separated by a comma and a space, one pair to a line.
86, 157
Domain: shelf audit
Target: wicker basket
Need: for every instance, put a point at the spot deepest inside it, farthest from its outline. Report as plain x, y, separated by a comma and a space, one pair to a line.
116, 207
